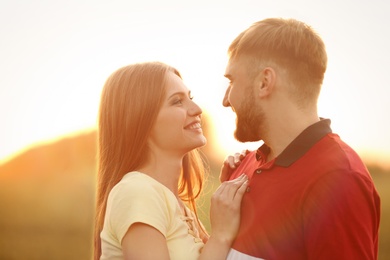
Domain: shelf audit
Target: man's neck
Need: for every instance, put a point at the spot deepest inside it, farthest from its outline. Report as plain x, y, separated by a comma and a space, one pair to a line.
284, 130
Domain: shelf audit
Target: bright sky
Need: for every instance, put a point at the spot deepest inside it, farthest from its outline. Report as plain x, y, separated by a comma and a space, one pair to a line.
56, 55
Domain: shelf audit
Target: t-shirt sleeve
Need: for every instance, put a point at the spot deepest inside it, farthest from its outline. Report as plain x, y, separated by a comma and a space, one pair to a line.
137, 201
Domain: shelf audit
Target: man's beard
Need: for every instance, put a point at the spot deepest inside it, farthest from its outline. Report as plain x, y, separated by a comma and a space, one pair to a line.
249, 121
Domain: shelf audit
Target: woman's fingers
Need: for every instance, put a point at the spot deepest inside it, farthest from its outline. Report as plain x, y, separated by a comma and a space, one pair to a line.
230, 163
244, 153
225, 173
235, 186
228, 189
234, 160
241, 190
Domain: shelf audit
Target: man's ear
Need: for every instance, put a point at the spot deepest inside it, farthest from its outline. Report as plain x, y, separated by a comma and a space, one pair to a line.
266, 82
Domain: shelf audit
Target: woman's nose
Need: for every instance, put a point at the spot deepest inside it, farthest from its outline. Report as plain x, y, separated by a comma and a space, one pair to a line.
194, 109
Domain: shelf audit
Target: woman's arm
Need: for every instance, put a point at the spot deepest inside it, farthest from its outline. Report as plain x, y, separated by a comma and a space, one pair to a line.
144, 242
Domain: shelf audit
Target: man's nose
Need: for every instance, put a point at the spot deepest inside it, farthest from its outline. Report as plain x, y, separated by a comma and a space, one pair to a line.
225, 101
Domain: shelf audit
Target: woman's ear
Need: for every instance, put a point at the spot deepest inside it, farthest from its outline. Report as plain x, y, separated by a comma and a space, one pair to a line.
266, 82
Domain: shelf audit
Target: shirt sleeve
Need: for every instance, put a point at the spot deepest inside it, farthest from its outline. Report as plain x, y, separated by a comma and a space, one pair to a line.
137, 201
342, 217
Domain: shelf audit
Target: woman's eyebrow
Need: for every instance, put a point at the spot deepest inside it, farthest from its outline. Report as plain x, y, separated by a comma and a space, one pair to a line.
181, 93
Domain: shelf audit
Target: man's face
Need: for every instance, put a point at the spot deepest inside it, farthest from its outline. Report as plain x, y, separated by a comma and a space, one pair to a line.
241, 97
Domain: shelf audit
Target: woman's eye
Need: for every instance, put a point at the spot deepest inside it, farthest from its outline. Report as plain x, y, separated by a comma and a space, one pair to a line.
178, 102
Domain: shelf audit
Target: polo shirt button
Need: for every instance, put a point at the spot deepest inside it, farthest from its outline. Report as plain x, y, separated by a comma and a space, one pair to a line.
258, 171
248, 189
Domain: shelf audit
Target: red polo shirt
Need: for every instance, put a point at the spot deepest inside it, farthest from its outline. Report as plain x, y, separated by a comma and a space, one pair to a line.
316, 200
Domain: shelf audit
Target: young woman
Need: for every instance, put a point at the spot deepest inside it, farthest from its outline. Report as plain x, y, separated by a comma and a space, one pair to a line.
150, 172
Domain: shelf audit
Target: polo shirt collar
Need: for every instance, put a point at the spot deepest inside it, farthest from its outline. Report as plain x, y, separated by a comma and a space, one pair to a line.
300, 145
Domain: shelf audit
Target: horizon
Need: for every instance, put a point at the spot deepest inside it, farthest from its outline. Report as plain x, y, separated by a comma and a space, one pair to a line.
379, 161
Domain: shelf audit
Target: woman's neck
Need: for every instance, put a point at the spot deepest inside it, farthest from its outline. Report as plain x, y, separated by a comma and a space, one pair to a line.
165, 170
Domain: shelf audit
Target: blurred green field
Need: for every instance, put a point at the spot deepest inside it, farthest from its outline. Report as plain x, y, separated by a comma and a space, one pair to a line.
47, 198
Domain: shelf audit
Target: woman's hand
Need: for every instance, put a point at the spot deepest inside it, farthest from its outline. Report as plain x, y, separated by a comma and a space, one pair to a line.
230, 164
225, 209
224, 218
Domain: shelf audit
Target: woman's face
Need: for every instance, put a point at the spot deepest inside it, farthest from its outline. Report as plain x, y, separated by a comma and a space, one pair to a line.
178, 126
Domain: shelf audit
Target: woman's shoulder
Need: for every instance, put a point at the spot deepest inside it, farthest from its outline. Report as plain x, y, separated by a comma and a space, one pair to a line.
135, 184
138, 177
136, 181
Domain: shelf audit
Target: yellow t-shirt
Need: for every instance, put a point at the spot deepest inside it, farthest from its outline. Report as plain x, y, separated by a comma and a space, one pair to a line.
138, 198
